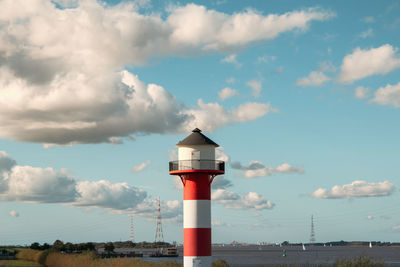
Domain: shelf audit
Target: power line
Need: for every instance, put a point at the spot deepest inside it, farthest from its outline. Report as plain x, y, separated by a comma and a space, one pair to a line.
312, 234
159, 232
131, 230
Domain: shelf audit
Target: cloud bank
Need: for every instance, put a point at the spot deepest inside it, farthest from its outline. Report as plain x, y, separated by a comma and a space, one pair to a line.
63, 77
258, 169
356, 189
232, 200
46, 185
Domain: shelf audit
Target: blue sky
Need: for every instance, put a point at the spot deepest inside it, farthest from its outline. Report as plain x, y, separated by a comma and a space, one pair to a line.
302, 96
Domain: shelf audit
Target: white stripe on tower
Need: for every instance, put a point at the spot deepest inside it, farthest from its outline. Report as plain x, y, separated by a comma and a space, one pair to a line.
197, 261
196, 220
197, 213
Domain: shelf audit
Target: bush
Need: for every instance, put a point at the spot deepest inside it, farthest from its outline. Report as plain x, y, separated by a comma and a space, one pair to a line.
362, 261
220, 263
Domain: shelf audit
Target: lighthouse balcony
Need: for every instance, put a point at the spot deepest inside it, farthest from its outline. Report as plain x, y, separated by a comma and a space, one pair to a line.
208, 165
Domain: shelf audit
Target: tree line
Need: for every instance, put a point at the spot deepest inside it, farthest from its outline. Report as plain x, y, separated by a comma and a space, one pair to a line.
59, 245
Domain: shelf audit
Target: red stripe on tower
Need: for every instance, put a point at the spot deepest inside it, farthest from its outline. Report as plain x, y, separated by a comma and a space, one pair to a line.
197, 168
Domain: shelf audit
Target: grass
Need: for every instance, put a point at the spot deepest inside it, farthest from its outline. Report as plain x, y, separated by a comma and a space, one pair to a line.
55, 259
19, 263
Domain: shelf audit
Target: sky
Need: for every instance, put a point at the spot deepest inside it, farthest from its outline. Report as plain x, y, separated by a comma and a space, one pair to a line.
303, 98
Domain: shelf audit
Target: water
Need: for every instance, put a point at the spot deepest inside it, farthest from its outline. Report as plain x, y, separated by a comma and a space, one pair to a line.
269, 255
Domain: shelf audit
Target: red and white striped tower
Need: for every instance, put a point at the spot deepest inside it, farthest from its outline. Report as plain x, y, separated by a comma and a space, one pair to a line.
197, 168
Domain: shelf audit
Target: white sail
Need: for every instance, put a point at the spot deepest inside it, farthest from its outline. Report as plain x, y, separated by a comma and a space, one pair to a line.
370, 244
304, 247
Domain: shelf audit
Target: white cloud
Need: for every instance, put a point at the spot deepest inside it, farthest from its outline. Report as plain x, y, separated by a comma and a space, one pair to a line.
227, 93
218, 31
255, 86
46, 185
220, 154
363, 63
265, 59
232, 200
39, 185
220, 224
61, 73
315, 78
210, 116
141, 166
258, 169
171, 210
361, 92
388, 95
356, 189
369, 19
104, 194
366, 34
14, 213
232, 60
396, 227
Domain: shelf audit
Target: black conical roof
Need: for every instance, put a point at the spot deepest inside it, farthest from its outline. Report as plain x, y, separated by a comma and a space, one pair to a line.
196, 138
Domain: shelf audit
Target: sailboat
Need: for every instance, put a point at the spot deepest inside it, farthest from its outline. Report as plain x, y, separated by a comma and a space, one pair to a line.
370, 245
304, 247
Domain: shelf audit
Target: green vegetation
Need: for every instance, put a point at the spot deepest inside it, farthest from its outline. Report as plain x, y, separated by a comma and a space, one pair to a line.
109, 247
344, 243
91, 246
60, 246
220, 263
56, 259
362, 261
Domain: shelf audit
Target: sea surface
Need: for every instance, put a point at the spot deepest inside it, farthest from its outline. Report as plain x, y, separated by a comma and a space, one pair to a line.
312, 256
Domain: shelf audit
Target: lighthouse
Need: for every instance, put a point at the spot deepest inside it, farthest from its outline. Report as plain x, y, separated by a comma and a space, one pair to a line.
196, 167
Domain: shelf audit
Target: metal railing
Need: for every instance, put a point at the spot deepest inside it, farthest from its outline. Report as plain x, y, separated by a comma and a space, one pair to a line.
199, 164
